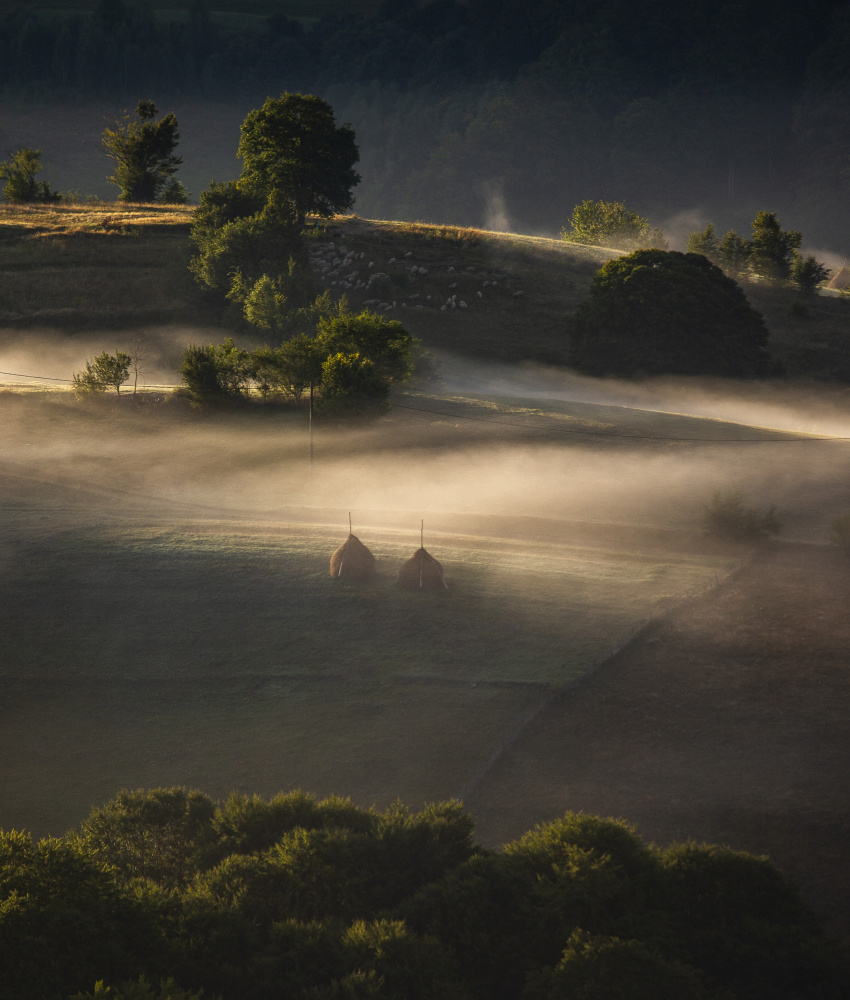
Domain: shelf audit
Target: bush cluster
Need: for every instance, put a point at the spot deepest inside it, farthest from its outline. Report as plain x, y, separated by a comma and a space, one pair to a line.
162, 894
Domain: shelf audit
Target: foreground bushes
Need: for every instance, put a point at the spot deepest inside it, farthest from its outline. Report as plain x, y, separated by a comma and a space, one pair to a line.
163, 894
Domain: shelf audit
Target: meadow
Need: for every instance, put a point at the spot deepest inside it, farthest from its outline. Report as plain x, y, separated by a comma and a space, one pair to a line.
168, 616
166, 611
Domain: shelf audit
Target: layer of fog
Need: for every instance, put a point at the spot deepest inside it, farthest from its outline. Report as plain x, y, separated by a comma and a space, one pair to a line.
807, 408
45, 356
176, 463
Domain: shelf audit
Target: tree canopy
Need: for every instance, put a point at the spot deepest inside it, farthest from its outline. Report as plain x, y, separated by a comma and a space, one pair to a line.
293, 147
611, 224
19, 173
164, 894
664, 312
143, 151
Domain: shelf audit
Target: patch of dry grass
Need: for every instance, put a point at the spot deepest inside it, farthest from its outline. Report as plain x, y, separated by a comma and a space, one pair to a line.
40, 220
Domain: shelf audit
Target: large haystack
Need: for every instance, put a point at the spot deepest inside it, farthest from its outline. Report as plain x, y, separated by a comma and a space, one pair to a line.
352, 561
840, 280
421, 570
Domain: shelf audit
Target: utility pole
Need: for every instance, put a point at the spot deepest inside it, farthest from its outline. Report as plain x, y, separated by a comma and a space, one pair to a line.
311, 426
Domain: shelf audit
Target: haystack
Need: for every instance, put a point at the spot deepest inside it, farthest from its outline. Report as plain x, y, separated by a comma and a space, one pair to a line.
352, 560
421, 570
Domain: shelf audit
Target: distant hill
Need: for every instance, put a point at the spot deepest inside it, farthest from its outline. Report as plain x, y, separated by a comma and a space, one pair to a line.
107, 266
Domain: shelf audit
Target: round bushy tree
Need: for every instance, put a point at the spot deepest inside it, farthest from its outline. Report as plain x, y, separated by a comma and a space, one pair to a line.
664, 312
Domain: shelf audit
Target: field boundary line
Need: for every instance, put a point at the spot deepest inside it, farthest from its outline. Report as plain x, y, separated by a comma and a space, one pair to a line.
473, 784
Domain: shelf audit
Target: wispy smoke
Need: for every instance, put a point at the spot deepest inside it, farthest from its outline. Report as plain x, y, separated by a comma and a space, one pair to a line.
495, 207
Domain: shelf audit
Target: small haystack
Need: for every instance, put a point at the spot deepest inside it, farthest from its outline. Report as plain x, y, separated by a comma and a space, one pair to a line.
840, 281
352, 560
421, 570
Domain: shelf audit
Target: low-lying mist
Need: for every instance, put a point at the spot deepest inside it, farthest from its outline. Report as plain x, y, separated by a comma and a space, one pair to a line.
164, 459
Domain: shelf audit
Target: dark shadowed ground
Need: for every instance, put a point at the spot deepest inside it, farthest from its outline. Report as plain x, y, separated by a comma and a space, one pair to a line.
726, 721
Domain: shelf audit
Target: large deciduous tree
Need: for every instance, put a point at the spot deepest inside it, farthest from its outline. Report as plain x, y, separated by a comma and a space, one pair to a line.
658, 311
292, 146
144, 153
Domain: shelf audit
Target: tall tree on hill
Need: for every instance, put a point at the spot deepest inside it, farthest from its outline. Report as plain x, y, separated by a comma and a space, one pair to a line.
144, 153
292, 146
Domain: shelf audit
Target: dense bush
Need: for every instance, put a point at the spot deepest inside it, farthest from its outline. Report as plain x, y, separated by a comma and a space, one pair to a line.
611, 224
163, 893
726, 516
658, 312
19, 174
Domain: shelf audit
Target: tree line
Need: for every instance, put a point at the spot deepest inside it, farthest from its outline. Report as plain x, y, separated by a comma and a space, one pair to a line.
534, 104
165, 894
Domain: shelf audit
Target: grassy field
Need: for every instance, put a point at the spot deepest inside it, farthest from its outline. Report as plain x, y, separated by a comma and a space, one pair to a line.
222, 655
167, 614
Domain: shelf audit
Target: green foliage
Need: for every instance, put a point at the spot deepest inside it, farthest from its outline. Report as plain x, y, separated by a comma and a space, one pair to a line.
215, 374
161, 834
807, 273
600, 967
294, 897
271, 303
839, 532
174, 193
292, 147
772, 253
746, 927
64, 923
733, 253
290, 368
143, 151
219, 205
658, 311
19, 173
105, 371
705, 243
352, 388
726, 517
611, 224
772, 249
232, 256
390, 348
139, 989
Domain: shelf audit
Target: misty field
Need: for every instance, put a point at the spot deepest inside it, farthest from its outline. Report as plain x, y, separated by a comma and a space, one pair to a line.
167, 615
221, 655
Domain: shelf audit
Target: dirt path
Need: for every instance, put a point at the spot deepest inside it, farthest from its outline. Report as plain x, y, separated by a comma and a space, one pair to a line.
728, 721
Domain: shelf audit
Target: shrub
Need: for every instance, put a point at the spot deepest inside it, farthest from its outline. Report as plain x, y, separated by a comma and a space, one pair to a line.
352, 387
663, 312
107, 370
725, 516
611, 224
216, 374
19, 173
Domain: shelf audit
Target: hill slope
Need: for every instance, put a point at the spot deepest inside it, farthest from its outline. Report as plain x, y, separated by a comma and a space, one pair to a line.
113, 266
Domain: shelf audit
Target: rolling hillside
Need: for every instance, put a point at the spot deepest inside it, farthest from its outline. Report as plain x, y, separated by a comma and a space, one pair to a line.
106, 266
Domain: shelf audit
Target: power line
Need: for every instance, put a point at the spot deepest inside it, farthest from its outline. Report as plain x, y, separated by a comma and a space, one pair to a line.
45, 378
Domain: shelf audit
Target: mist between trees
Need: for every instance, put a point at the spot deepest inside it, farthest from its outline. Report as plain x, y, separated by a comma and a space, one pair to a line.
480, 113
